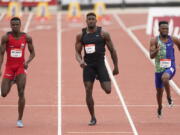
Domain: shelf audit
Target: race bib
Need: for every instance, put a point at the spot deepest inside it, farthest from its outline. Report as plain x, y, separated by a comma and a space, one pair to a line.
165, 63
16, 53
90, 48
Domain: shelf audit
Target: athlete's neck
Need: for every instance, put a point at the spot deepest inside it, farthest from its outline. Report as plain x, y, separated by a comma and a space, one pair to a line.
91, 30
164, 38
16, 34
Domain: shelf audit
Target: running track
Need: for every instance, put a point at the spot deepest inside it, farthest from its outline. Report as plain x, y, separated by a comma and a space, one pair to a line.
49, 86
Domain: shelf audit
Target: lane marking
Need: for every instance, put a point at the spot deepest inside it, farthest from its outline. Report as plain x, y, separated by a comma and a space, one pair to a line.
99, 133
118, 91
2, 15
142, 48
59, 79
26, 27
137, 27
41, 27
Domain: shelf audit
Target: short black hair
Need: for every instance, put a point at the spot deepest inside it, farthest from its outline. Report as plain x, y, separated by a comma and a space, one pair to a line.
15, 19
91, 14
163, 22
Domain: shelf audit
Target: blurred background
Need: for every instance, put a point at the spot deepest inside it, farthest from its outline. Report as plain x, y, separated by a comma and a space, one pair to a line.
89, 4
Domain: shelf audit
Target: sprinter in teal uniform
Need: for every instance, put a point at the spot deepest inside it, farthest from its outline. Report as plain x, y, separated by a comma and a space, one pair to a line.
162, 49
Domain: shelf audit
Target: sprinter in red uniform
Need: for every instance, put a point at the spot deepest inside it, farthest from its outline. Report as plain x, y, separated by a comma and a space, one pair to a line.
14, 43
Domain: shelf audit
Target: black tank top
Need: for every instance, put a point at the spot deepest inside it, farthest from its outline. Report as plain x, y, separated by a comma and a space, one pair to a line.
94, 46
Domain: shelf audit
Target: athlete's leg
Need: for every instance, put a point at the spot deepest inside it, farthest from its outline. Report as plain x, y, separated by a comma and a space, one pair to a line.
90, 101
21, 82
5, 86
106, 86
7, 81
103, 77
165, 80
159, 92
89, 75
168, 75
159, 95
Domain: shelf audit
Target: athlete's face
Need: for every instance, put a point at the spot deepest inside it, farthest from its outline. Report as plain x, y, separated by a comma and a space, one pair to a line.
91, 21
164, 30
15, 25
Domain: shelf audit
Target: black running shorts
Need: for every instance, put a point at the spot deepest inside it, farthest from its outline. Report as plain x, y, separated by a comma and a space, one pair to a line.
95, 71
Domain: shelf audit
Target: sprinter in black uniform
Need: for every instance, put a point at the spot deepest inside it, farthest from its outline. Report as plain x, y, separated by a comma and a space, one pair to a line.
93, 40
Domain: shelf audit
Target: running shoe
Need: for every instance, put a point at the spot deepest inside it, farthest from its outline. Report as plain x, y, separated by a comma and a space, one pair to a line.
92, 122
170, 102
20, 124
159, 113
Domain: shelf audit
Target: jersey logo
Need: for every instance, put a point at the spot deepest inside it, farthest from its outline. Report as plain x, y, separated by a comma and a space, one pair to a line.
172, 69
97, 35
8, 75
22, 45
168, 44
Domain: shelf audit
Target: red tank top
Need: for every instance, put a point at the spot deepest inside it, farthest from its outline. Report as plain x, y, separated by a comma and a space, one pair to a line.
15, 49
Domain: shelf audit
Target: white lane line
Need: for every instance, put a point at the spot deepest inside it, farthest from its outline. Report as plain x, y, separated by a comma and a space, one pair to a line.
137, 27
84, 133
59, 57
2, 15
118, 91
143, 49
26, 27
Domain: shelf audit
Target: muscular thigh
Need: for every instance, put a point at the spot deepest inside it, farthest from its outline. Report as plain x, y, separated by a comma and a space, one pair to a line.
102, 73
6, 84
20, 70
21, 81
89, 74
158, 80
9, 72
169, 73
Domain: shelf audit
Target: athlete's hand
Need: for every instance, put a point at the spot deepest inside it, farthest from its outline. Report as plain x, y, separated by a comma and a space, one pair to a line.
83, 64
25, 65
115, 71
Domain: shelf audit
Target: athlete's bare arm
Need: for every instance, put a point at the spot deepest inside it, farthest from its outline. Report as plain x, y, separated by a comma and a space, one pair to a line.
154, 48
177, 42
112, 50
31, 50
78, 49
4, 40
